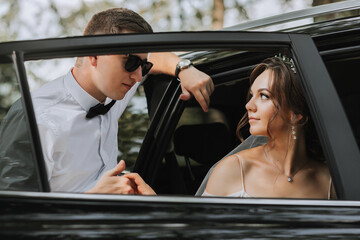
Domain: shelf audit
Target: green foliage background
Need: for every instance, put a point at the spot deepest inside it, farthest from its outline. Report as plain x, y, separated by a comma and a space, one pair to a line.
133, 126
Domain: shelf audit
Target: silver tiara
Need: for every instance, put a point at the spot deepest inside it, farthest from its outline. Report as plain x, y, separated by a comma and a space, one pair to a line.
287, 60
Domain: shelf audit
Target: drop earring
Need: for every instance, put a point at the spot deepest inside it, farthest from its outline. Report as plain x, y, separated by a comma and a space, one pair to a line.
293, 132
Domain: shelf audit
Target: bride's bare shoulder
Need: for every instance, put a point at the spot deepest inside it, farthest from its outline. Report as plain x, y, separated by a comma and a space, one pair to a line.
229, 163
250, 155
224, 177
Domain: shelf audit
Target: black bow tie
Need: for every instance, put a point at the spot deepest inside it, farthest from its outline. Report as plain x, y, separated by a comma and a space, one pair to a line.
99, 109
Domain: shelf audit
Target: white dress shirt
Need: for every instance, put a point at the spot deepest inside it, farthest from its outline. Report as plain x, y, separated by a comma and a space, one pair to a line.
77, 151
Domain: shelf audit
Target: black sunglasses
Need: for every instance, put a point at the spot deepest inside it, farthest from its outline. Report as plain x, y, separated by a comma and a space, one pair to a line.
133, 62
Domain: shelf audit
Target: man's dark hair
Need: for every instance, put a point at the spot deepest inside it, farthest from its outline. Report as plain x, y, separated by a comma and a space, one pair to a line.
117, 20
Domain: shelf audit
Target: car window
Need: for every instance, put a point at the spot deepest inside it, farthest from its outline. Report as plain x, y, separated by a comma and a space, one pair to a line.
201, 138
19, 171
131, 127
342, 72
18, 168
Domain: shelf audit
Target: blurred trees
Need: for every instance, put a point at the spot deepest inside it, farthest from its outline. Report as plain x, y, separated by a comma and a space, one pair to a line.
22, 19
133, 126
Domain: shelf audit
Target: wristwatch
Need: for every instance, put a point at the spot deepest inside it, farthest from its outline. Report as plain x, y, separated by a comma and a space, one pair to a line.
181, 65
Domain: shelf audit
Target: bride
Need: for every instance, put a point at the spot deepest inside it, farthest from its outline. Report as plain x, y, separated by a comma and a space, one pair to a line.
289, 165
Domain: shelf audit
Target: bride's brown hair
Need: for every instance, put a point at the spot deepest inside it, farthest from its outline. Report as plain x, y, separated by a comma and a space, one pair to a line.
286, 93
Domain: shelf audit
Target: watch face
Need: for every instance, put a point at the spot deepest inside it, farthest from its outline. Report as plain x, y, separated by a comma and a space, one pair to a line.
184, 63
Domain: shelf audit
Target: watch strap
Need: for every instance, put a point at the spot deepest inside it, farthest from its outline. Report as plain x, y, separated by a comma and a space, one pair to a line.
177, 71
180, 66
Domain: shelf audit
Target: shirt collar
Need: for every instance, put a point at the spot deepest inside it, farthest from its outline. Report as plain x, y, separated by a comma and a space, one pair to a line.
85, 100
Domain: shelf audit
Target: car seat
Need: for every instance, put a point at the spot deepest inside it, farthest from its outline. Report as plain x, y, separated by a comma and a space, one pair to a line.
203, 143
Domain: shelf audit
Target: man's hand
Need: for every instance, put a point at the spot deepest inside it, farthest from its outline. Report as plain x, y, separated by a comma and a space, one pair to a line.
193, 81
110, 182
141, 186
198, 84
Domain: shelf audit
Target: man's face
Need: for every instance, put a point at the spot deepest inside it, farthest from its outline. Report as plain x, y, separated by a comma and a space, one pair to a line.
112, 79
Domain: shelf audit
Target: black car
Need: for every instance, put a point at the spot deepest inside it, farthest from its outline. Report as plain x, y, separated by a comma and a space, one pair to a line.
181, 142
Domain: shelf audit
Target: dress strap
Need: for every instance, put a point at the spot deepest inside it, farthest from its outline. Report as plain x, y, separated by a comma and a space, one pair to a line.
329, 193
242, 172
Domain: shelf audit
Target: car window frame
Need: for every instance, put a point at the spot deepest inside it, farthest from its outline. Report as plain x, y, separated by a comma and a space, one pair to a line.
305, 54
322, 99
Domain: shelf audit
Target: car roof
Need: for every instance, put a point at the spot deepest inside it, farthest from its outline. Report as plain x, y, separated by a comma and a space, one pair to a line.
291, 17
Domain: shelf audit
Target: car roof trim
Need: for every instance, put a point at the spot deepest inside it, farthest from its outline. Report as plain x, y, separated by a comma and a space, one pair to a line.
296, 15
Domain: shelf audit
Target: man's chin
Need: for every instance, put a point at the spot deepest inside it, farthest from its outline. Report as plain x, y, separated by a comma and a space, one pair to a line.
118, 98
119, 95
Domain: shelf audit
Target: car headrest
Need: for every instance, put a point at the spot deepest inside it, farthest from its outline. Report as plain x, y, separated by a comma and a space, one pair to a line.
204, 143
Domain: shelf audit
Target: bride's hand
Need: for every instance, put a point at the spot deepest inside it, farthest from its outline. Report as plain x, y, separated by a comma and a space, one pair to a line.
141, 186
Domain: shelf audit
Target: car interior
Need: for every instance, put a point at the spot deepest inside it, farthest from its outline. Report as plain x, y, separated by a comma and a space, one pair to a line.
342, 72
201, 139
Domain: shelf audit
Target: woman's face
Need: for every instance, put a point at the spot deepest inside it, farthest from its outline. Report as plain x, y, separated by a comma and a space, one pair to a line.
261, 108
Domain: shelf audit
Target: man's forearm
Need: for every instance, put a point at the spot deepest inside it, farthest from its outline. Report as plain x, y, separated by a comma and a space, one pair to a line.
164, 62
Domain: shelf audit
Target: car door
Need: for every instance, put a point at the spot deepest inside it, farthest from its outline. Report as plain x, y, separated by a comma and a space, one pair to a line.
53, 215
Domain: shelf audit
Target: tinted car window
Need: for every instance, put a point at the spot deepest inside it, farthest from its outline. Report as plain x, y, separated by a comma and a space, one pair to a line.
344, 73
18, 169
